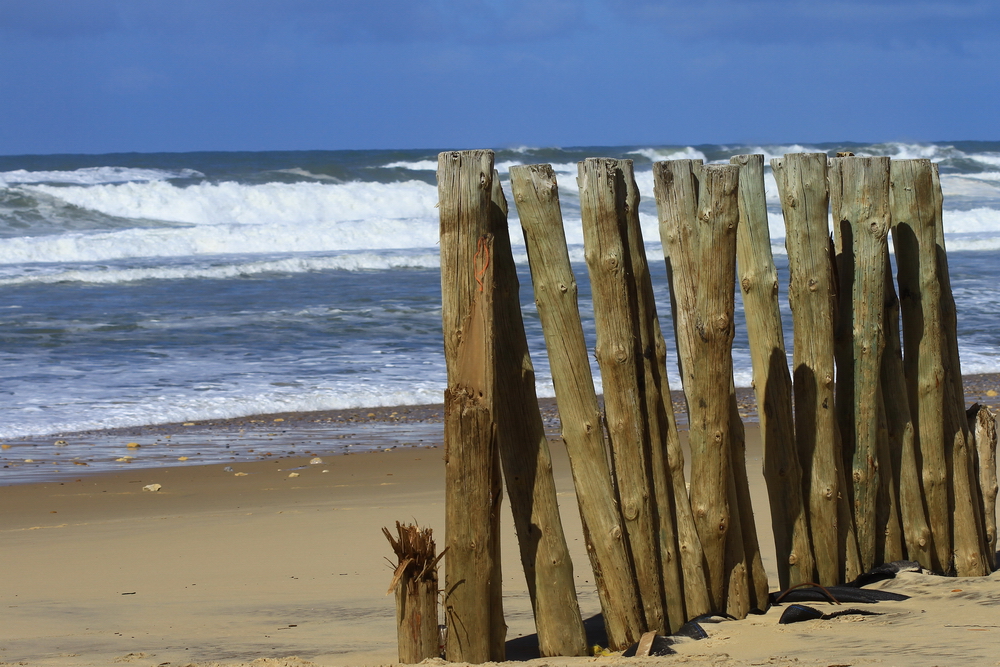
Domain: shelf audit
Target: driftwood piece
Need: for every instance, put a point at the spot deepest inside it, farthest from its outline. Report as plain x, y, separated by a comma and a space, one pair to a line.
861, 227
527, 463
802, 186
758, 283
536, 196
603, 196
472, 600
415, 583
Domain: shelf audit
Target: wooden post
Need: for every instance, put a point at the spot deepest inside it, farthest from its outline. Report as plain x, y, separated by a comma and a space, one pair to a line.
527, 464
603, 195
758, 281
415, 582
699, 212
861, 226
802, 185
536, 196
913, 220
983, 426
473, 600
971, 556
660, 420
901, 435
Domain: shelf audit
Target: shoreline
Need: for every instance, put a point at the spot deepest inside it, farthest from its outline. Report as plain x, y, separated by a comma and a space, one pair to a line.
270, 436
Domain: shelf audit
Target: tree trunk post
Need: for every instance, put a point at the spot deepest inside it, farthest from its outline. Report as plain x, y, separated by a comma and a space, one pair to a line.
415, 582
982, 424
861, 226
802, 186
527, 463
603, 197
758, 282
473, 598
536, 196
699, 213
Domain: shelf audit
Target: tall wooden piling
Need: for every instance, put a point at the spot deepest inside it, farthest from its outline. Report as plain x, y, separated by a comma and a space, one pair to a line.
901, 435
415, 583
472, 596
802, 186
536, 196
861, 226
527, 464
699, 213
758, 283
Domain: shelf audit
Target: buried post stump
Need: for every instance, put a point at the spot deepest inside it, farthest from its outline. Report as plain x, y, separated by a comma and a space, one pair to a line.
415, 582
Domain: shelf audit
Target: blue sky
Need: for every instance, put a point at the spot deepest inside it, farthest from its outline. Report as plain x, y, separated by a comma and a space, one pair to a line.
94, 76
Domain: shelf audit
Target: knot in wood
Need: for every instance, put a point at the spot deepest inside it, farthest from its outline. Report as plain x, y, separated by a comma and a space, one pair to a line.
858, 475
612, 262
829, 494
621, 354
563, 288
705, 215
482, 179
813, 284
717, 436
792, 559
521, 197
828, 379
791, 201
616, 533
722, 322
723, 524
630, 510
746, 283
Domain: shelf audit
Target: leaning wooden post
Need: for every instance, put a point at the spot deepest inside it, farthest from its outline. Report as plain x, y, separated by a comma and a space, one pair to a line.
536, 196
659, 409
971, 557
473, 600
758, 281
913, 236
527, 464
699, 213
602, 208
802, 185
983, 426
415, 582
861, 225
902, 436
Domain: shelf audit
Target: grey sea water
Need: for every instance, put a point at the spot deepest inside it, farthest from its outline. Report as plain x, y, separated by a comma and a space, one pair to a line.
141, 289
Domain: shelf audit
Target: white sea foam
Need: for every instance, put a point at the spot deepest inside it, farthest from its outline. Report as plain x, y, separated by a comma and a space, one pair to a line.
94, 176
235, 203
658, 154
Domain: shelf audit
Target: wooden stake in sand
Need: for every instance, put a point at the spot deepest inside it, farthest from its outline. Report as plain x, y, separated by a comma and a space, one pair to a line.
527, 464
536, 196
473, 601
860, 196
699, 213
415, 582
758, 281
983, 426
603, 207
802, 185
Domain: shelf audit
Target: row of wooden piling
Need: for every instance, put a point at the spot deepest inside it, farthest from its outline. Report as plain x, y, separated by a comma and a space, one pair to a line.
872, 461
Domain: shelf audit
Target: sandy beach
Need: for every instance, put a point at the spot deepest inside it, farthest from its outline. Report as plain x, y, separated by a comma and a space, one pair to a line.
278, 558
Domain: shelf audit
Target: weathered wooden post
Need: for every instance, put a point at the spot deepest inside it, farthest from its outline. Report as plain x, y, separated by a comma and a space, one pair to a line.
860, 187
983, 426
603, 195
802, 185
758, 282
527, 464
913, 220
536, 196
699, 213
415, 582
901, 435
473, 600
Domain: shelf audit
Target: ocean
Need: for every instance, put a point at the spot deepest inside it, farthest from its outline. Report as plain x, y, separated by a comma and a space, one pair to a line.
140, 289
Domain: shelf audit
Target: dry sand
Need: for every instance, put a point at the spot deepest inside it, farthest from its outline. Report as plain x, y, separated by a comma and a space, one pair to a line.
218, 568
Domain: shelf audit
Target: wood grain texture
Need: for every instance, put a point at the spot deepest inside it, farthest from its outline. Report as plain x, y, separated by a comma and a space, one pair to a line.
861, 226
536, 196
603, 195
758, 283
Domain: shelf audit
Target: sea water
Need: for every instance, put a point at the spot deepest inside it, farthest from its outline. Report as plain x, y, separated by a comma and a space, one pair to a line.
140, 289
